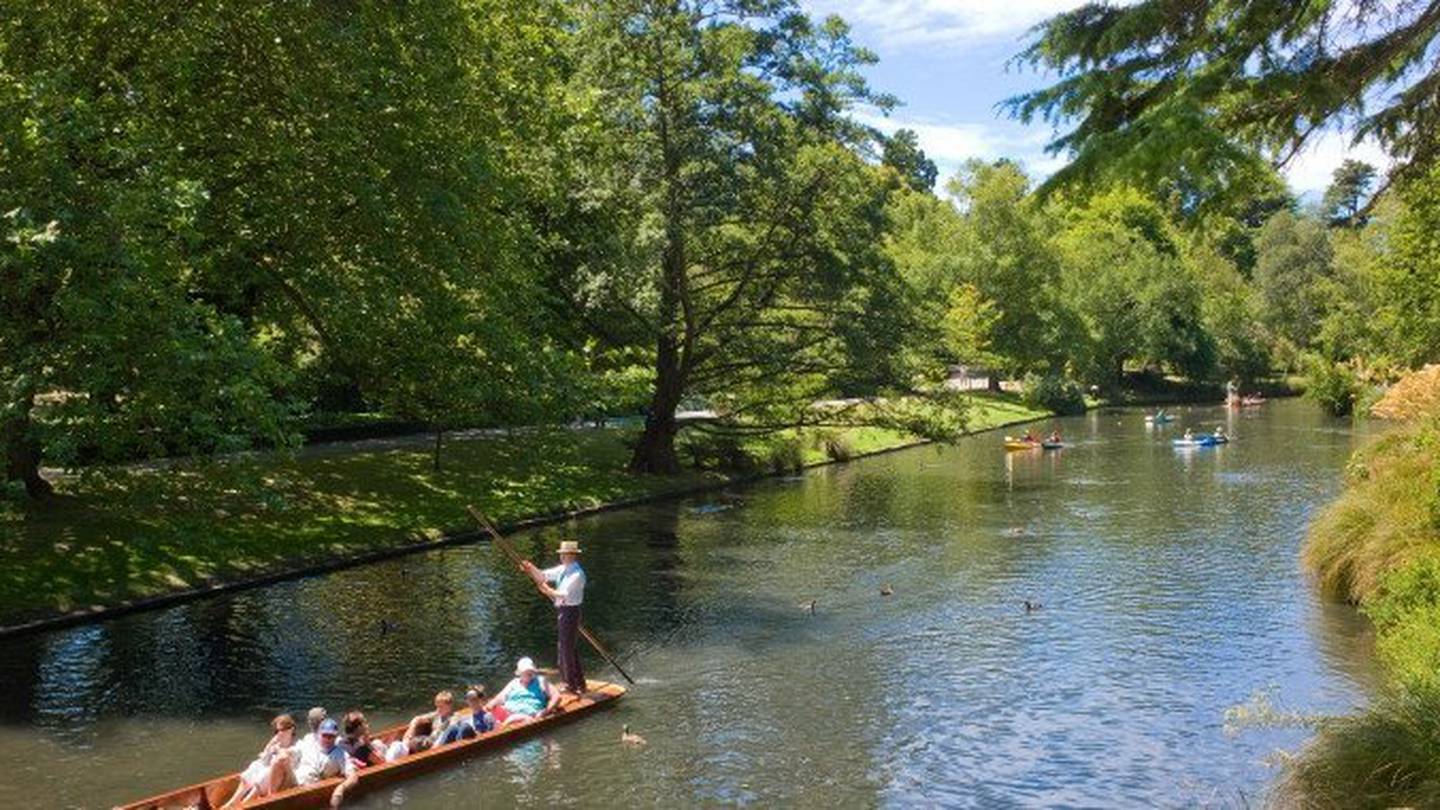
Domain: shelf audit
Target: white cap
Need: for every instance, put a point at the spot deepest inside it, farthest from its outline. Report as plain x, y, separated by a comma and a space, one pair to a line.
524, 665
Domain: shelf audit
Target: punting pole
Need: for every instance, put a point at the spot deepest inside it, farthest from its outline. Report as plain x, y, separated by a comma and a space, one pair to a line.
509, 551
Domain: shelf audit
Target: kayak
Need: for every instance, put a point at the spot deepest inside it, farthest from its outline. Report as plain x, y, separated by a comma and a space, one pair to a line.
1012, 443
211, 794
1201, 441
1158, 419
1052, 445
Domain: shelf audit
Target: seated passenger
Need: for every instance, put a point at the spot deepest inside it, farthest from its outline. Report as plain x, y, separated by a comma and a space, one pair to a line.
1189, 435
316, 762
313, 719
1054, 437
417, 738
525, 698
358, 745
480, 721
1219, 432
255, 780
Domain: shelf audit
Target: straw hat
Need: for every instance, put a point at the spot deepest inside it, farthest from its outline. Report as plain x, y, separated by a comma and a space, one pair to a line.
569, 547
525, 665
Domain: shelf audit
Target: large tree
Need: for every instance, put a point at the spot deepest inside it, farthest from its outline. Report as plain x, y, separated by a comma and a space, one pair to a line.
751, 263
1164, 87
1350, 187
902, 153
210, 198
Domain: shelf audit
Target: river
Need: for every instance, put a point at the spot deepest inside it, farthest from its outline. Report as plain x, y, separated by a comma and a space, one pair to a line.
1169, 579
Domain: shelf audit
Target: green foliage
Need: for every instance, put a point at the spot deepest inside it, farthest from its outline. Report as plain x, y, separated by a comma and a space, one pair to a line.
1053, 393
902, 153
1347, 193
1334, 386
1379, 545
969, 325
1293, 260
1199, 90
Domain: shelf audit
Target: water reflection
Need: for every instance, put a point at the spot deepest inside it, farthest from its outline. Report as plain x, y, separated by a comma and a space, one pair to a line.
1169, 580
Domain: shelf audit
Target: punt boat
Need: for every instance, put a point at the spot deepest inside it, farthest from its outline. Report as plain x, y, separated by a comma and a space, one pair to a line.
212, 793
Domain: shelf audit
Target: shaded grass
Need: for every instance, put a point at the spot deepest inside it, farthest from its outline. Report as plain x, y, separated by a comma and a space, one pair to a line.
121, 534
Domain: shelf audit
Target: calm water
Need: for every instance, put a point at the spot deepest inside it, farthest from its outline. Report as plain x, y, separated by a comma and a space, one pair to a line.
1169, 579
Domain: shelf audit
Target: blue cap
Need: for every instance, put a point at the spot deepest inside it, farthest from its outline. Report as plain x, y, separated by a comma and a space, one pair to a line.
329, 727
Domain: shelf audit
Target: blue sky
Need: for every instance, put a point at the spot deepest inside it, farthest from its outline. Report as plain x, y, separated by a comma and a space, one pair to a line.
946, 60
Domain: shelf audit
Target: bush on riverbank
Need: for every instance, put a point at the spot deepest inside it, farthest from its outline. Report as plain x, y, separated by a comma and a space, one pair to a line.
1378, 545
1053, 393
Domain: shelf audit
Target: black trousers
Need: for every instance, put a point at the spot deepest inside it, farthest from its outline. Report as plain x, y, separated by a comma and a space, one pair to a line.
568, 621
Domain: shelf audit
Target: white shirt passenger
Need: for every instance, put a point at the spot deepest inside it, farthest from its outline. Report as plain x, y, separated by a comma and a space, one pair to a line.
315, 763
569, 580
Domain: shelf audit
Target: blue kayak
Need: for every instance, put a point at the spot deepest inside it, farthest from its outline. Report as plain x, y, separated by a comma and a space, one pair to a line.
1201, 441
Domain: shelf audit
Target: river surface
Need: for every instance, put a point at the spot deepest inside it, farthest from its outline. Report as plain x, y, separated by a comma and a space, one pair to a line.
1170, 585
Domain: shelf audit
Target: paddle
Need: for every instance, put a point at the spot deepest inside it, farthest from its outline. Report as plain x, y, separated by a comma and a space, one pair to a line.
509, 551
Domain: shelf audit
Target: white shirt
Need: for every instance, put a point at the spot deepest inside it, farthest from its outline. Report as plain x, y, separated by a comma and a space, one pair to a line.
569, 580
315, 763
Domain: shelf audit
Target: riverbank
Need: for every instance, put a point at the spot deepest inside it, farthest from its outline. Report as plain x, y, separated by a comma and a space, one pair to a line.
1378, 546
126, 539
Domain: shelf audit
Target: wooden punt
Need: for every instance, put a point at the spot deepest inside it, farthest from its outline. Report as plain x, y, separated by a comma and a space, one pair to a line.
211, 794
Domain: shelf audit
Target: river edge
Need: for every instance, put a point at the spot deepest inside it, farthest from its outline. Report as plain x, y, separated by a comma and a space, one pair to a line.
461, 535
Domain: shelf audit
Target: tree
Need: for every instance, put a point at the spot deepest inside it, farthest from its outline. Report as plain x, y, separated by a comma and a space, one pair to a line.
755, 271
1124, 275
1343, 203
1293, 257
902, 153
244, 193
1160, 87
1003, 249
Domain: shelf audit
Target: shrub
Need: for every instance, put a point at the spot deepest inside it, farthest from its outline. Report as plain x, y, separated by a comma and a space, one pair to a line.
785, 455
718, 451
1053, 393
1334, 386
837, 445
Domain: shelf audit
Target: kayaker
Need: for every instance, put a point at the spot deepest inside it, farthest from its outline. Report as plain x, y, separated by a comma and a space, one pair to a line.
525, 698
568, 593
1220, 433
1189, 435
1055, 437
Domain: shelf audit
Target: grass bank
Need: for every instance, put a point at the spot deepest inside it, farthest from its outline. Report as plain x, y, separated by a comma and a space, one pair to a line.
115, 536
1378, 545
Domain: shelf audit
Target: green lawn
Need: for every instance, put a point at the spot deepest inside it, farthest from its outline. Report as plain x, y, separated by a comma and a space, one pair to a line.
119, 535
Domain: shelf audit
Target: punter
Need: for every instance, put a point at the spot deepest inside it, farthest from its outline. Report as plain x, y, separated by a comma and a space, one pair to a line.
568, 592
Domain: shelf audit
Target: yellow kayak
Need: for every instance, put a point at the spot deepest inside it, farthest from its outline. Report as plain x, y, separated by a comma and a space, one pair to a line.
1012, 443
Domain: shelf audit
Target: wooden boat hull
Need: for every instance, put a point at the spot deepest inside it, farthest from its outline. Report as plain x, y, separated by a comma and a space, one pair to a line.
211, 794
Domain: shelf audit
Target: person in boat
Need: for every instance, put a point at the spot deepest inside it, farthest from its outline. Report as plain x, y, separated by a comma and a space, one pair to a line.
1030, 436
1055, 437
568, 593
308, 764
313, 719
417, 738
1220, 433
255, 779
479, 721
525, 698
359, 746
1189, 435
443, 722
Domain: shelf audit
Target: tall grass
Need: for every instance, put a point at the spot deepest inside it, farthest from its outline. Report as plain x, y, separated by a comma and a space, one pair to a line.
1378, 545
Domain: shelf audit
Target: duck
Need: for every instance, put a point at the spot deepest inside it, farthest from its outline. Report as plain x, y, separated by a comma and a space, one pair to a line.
810, 606
628, 738
886, 590
1031, 607
385, 626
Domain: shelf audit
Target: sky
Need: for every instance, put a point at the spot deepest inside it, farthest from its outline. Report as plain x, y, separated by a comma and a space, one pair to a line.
947, 62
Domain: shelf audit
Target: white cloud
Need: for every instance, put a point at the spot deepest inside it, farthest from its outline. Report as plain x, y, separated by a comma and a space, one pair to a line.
950, 144
1310, 172
909, 22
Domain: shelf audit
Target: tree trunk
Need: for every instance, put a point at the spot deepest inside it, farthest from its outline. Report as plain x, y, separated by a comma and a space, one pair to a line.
655, 452
992, 382
22, 453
